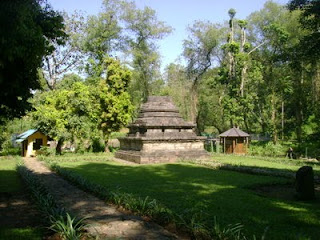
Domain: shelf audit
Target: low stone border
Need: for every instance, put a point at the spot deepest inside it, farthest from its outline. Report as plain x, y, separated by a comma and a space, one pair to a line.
246, 169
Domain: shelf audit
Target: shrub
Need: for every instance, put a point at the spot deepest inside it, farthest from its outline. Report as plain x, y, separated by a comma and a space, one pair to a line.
47, 151
10, 151
267, 149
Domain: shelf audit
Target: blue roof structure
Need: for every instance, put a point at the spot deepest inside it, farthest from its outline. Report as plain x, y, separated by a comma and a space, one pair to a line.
23, 136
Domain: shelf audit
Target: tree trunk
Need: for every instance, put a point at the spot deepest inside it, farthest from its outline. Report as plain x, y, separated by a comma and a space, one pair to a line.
273, 120
282, 120
59, 146
194, 105
299, 106
243, 76
106, 147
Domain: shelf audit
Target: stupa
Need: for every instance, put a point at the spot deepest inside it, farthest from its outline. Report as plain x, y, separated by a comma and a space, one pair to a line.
160, 135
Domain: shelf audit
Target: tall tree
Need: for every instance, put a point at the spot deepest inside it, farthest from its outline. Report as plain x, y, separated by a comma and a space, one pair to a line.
76, 109
68, 57
276, 31
178, 87
103, 33
26, 28
200, 50
143, 30
113, 108
309, 19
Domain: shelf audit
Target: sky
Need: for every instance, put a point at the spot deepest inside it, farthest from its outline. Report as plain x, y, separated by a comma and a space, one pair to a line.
176, 13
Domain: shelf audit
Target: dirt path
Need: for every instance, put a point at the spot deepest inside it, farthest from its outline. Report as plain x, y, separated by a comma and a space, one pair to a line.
104, 220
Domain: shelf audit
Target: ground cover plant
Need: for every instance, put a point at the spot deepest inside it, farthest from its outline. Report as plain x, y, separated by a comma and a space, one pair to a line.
66, 226
10, 189
205, 194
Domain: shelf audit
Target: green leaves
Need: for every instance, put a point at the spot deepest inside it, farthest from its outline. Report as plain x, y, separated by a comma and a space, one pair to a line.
77, 110
26, 28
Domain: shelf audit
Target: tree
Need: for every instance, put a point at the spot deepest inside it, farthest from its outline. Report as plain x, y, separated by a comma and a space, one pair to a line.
306, 63
113, 106
78, 110
103, 33
65, 114
26, 28
178, 86
123, 30
200, 50
310, 20
143, 29
68, 57
282, 97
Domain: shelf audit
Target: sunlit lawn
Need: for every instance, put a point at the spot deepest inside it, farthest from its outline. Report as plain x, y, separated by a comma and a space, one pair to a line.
9, 178
290, 165
224, 194
10, 182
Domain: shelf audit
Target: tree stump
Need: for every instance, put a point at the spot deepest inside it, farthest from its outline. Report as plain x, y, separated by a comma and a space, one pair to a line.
305, 183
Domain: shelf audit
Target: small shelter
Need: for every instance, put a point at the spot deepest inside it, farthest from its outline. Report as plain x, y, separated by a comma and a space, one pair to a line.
31, 141
234, 141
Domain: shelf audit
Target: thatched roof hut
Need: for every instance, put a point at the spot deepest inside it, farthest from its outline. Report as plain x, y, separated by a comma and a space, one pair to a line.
235, 141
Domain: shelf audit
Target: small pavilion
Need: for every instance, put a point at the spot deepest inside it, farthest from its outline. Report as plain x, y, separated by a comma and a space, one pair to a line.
31, 142
234, 141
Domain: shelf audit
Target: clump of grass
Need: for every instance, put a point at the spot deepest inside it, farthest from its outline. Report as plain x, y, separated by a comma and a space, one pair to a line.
69, 228
232, 231
192, 222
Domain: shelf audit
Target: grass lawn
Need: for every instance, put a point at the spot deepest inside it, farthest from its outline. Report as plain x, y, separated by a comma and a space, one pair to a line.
283, 164
9, 178
189, 188
10, 183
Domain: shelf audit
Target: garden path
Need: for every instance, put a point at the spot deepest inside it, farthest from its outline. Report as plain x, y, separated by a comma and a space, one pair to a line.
104, 220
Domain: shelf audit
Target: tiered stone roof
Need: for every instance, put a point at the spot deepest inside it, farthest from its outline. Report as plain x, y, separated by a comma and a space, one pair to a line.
160, 112
160, 134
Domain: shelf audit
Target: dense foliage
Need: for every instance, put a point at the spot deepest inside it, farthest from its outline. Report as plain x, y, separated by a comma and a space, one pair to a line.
261, 73
77, 110
26, 28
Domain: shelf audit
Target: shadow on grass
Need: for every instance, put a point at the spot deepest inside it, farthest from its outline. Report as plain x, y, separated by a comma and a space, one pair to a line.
19, 218
188, 189
9, 181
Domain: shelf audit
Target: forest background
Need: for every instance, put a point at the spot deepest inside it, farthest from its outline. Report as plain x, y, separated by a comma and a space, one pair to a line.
81, 79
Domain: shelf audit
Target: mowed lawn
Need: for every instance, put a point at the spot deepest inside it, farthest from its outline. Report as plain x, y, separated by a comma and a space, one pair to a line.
281, 164
10, 183
226, 195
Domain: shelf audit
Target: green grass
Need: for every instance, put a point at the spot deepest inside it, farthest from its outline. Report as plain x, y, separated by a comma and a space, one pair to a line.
11, 182
189, 189
9, 178
283, 164
21, 233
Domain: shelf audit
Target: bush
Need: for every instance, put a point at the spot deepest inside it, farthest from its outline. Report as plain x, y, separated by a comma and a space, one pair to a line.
10, 151
46, 151
267, 149
97, 145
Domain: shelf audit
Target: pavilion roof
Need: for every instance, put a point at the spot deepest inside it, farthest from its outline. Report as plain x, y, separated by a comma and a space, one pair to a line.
234, 132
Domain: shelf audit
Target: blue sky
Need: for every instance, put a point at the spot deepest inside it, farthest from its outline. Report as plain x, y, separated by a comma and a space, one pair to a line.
176, 13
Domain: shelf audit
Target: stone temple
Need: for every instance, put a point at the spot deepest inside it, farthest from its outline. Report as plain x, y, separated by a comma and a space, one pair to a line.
160, 135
